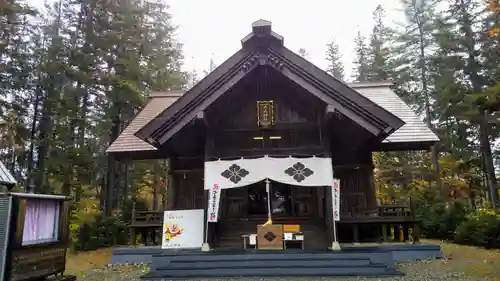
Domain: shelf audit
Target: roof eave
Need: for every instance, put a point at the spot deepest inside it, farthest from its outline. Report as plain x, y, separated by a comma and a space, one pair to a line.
368, 114
389, 122
183, 106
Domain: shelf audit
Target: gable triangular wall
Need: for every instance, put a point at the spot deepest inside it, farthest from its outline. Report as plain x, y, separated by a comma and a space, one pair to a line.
263, 47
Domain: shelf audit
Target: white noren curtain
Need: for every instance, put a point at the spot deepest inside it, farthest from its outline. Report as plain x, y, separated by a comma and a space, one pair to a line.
312, 171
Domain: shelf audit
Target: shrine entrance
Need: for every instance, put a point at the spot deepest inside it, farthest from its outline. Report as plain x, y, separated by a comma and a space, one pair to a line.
244, 208
287, 201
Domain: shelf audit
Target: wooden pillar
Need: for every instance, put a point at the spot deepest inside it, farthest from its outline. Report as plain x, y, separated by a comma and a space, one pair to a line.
406, 232
370, 189
355, 233
416, 233
171, 196
415, 228
396, 232
132, 229
164, 194
209, 147
110, 186
329, 214
389, 232
384, 232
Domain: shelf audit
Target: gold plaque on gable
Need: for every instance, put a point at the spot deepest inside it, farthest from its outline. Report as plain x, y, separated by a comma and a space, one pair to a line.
265, 113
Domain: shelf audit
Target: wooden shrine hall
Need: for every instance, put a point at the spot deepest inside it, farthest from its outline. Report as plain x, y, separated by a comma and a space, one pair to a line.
273, 131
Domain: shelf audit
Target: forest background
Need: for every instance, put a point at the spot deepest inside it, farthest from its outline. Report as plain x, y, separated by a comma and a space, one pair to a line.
72, 75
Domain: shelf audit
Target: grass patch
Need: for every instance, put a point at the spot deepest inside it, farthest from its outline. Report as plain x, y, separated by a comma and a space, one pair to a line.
473, 261
80, 263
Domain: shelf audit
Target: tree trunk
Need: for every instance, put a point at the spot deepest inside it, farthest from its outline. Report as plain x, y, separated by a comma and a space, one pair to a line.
489, 168
31, 151
472, 69
423, 73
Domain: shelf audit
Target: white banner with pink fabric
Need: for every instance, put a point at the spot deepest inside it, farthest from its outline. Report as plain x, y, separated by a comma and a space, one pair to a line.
213, 203
336, 199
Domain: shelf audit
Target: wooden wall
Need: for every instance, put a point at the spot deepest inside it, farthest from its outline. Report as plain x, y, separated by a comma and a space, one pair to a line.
188, 191
357, 190
355, 171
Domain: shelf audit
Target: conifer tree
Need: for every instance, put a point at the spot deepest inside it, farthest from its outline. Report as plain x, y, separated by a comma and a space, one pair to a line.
381, 68
362, 62
334, 59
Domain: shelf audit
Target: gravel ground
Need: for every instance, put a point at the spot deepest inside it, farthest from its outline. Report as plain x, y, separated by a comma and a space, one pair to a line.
415, 271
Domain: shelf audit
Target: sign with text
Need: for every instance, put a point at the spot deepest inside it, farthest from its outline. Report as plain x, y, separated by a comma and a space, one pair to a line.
336, 199
213, 203
183, 229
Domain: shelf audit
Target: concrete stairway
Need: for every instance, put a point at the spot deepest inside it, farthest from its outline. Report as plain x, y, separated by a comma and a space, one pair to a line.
258, 264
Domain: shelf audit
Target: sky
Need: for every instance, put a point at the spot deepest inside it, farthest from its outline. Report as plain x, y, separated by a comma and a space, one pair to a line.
213, 29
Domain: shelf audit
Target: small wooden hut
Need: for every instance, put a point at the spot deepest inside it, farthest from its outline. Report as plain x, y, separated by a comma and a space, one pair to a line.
34, 236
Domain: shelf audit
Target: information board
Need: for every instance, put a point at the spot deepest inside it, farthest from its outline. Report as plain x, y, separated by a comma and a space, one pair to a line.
183, 229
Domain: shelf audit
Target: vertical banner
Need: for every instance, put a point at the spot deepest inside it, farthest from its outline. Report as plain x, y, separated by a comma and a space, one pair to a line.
336, 199
213, 203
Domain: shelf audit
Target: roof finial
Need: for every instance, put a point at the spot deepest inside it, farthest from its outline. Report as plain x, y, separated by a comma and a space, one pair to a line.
262, 27
261, 31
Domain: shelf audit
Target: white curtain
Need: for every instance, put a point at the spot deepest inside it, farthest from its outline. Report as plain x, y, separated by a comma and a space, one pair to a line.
40, 221
312, 171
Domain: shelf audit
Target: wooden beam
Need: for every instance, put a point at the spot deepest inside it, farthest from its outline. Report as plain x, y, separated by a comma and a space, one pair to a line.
330, 111
201, 119
341, 89
188, 171
224, 87
330, 101
177, 109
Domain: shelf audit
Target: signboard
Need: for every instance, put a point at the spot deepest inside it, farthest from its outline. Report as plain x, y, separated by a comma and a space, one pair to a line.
265, 114
182, 229
336, 199
213, 203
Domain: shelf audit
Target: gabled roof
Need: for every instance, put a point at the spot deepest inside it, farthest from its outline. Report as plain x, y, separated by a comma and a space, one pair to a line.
127, 141
412, 132
414, 129
264, 47
6, 177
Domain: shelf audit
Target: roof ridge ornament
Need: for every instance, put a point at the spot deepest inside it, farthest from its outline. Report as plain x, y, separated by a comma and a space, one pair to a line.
262, 34
252, 61
262, 59
275, 62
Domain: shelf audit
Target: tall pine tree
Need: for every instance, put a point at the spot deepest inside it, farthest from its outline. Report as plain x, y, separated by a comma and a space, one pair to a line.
362, 61
334, 59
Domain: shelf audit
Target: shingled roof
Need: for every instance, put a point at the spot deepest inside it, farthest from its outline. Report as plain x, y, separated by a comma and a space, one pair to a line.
413, 131
127, 141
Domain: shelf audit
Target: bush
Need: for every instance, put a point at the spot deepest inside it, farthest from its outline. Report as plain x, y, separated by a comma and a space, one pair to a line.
439, 221
482, 229
90, 230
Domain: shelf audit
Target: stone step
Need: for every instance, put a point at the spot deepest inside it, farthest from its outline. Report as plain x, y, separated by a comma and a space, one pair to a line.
266, 264
366, 271
272, 256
